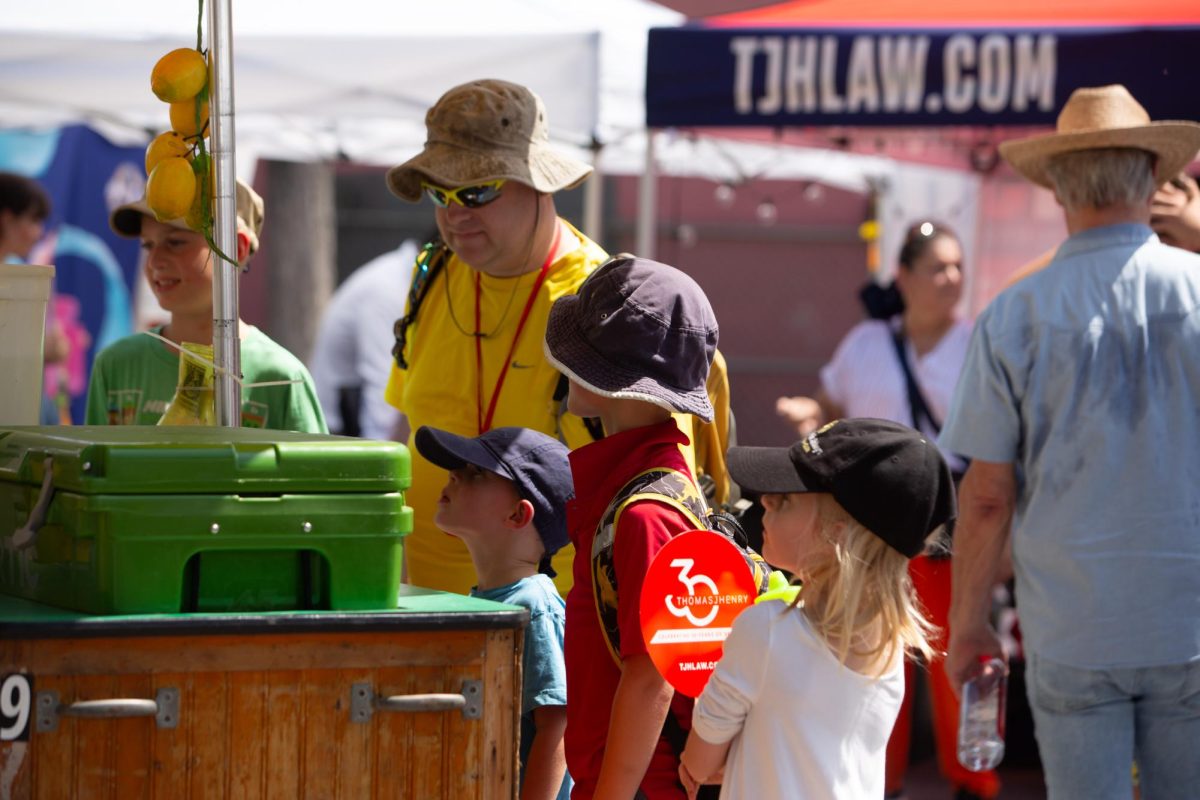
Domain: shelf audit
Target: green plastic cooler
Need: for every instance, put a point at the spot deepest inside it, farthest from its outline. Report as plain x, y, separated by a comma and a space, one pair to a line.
137, 519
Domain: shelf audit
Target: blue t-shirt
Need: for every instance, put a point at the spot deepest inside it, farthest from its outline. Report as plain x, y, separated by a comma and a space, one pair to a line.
1086, 375
544, 670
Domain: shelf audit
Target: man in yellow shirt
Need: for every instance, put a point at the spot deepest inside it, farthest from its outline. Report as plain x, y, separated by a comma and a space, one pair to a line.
469, 348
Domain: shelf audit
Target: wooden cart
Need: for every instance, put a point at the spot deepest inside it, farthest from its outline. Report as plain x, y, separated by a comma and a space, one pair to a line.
421, 702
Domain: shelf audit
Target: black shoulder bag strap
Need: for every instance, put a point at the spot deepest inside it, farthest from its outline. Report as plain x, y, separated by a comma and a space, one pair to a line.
430, 261
916, 400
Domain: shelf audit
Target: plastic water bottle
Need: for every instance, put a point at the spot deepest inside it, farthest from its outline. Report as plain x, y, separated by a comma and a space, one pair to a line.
981, 716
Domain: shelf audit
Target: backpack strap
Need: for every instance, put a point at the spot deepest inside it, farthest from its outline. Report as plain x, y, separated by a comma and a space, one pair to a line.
669, 487
430, 262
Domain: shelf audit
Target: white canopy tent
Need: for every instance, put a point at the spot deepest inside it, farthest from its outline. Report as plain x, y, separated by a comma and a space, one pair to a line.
315, 79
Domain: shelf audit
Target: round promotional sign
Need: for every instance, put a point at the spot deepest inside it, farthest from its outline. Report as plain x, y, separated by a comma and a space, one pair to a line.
694, 588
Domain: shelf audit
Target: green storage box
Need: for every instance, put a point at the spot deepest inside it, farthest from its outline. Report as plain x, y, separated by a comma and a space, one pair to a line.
144, 520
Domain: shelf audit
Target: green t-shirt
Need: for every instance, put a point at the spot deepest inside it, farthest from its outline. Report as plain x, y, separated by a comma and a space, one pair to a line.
135, 378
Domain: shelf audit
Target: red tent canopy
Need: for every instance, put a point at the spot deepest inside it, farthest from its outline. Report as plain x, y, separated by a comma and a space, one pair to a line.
939, 13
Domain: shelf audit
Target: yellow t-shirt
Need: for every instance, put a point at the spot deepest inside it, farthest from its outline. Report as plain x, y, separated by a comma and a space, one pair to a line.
439, 389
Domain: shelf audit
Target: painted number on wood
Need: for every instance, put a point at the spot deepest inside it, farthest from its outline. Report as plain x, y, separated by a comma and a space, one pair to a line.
16, 703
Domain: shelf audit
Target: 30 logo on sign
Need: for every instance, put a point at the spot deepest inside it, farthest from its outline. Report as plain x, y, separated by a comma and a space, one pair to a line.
695, 587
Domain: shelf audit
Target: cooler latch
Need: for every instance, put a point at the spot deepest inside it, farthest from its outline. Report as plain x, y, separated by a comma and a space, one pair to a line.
26, 535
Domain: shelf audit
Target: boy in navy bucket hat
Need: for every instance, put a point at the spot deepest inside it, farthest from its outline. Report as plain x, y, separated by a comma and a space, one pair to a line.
506, 500
636, 343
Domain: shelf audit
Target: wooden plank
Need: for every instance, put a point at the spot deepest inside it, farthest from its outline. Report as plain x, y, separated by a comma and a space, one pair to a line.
462, 747
392, 767
54, 751
499, 750
284, 746
428, 730
263, 652
207, 736
169, 773
94, 754
247, 734
319, 731
133, 740
356, 755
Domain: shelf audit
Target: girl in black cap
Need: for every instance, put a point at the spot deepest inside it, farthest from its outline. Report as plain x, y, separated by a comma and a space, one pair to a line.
807, 691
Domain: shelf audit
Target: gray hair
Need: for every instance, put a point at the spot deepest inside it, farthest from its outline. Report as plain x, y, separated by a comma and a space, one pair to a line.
1106, 176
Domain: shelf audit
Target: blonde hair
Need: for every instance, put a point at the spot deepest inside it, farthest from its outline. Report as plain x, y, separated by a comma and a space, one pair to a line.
860, 599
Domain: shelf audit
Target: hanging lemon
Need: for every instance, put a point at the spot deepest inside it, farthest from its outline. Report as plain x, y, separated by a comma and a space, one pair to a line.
183, 117
171, 189
179, 75
165, 145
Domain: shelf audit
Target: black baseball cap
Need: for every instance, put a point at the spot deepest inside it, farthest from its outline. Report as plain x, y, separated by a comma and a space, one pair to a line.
887, 476
536, 463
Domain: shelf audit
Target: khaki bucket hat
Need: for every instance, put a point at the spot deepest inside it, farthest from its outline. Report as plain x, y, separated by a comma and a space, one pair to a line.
483, 131
1105, 116
126, 220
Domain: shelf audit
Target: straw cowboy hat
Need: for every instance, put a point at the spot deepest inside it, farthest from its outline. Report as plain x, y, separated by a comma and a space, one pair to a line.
1105, 116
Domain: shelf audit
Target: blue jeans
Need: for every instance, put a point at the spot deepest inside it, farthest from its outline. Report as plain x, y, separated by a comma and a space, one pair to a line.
1092, 724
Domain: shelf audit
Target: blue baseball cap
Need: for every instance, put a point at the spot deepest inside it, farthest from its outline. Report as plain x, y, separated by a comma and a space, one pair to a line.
536, 463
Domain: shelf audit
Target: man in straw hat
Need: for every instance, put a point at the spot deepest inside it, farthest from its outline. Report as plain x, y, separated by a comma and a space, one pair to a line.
469, 347
1083, 379
135, 378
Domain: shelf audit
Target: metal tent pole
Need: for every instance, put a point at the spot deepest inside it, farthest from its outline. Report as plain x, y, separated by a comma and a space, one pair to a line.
593, 201
226, 345
647, 221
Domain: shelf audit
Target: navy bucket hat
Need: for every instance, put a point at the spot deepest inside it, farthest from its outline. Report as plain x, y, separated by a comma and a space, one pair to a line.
637, 330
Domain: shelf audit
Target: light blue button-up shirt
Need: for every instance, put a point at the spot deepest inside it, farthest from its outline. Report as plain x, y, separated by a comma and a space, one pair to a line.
1087, 375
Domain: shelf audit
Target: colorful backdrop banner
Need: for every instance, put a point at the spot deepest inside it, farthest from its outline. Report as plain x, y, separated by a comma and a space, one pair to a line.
774, 76
95, 270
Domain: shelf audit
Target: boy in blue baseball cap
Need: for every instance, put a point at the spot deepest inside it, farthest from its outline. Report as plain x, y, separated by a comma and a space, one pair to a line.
506, 500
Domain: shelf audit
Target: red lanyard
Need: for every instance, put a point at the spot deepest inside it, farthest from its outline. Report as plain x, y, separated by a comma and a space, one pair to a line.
485, 422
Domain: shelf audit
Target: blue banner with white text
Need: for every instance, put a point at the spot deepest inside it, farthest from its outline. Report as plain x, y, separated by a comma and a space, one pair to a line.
697, 76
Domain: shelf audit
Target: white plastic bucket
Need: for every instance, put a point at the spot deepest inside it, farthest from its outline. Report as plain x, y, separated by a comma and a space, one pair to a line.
24, 293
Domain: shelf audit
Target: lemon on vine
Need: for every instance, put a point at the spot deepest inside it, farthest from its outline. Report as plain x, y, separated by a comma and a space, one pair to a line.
183, 117
166, 145
179, 75
171, 188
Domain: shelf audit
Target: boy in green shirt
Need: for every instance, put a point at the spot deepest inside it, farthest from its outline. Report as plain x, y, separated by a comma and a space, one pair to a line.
135, 378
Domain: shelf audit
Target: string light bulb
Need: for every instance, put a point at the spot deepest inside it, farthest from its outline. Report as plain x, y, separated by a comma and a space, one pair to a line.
724, 194
766, 212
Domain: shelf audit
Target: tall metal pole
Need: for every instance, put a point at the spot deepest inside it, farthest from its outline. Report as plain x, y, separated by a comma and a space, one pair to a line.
593, 199
226, 345
647, 218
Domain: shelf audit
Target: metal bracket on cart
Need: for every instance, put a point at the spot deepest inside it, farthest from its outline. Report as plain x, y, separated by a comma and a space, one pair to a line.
164, 708
364, 702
